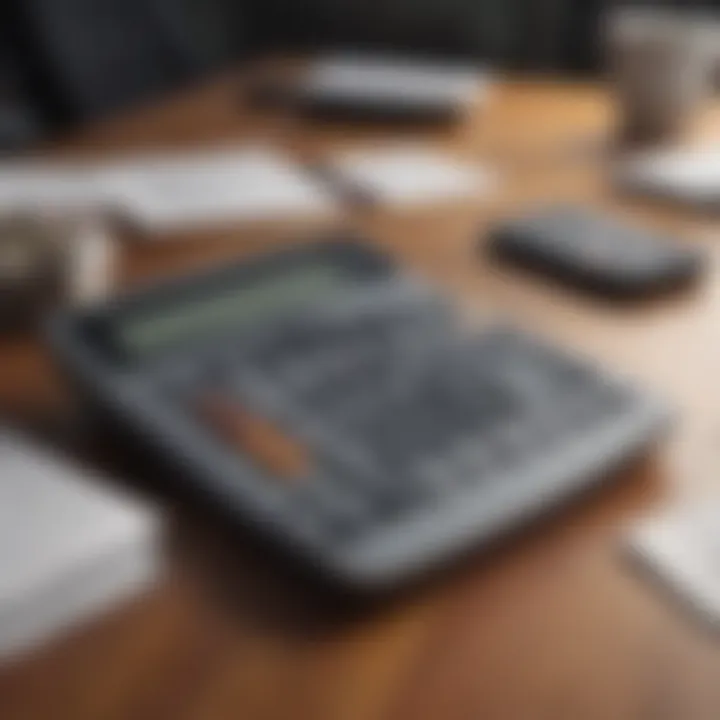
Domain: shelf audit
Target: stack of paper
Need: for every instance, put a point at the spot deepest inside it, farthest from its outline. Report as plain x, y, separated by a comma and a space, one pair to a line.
173, 191
165, 193
70, 547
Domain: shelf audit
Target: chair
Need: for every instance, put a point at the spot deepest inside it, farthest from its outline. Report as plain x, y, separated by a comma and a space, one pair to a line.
20, 117
100, 56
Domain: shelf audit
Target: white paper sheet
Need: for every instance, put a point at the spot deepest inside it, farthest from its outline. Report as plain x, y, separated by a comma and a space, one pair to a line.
689, 176
165, 193
412, 175
682, 547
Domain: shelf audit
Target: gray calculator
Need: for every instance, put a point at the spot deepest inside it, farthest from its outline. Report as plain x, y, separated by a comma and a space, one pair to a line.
336, 404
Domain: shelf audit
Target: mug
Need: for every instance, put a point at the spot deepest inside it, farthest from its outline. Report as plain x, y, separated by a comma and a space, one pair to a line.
49, 259
662, 64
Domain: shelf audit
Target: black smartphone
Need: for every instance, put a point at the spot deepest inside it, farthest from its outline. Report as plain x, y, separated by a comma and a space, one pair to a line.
595, 253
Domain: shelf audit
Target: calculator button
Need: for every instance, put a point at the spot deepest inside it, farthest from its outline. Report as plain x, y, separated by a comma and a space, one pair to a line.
269, 447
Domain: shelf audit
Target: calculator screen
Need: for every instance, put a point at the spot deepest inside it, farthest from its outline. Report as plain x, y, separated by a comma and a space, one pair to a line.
150, 331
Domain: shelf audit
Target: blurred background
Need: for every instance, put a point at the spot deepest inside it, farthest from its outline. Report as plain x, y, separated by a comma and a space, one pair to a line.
65, 62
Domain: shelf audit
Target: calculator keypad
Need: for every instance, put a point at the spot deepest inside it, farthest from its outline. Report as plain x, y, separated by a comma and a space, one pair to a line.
408, 417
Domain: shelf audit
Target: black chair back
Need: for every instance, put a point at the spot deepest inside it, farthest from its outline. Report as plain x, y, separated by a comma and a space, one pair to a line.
99, 56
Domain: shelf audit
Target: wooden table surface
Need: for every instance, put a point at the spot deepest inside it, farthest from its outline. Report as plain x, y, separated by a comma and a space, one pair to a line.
551, 625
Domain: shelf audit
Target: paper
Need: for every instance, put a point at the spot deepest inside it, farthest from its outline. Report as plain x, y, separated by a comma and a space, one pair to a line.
411, 175
165, 193
36, 186
172, 191
682, 547
388, 78
691, 176
69, 546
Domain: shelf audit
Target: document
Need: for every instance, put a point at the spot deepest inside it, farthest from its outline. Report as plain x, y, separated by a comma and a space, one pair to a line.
690, 176
167, 193
682, 548
70, 545
413, 175
173, 191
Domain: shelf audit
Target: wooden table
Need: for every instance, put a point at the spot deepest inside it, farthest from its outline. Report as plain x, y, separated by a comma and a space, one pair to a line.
551, 625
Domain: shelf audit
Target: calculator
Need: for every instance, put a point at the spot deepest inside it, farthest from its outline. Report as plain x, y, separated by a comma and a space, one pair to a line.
337, 404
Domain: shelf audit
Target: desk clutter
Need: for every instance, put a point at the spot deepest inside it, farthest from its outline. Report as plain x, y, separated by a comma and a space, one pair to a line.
159, 194
324, 396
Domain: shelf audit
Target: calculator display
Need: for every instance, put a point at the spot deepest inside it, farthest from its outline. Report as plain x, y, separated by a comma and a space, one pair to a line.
152, 330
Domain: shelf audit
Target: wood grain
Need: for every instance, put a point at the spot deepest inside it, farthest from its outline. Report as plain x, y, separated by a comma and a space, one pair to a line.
550, 625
